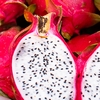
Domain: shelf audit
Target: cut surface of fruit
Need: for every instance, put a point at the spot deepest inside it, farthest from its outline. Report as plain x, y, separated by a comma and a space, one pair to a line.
43, 67
91, 77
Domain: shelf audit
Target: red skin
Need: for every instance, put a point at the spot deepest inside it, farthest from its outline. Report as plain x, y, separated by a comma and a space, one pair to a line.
81, 42
6, 84
9, 6
40, 6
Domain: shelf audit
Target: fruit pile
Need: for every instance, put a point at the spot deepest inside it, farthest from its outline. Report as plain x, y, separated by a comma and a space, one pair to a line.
49, 49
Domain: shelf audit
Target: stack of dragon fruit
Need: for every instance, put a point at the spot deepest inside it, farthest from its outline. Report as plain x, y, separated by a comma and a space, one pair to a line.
49, 50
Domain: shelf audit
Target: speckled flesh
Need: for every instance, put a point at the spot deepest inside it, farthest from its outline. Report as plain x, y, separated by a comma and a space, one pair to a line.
43, 69
91, 77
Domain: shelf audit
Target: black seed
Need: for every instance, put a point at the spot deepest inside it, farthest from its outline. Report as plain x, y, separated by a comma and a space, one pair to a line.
57, 90
51, 74
58, 41
51, 41
23, 42
88, 91
26, 94
85, 86
51, 90
61, 68
90, 75
32, 50
70, 98
98, 75
58, 84
31, 97
45, 98
59, 59
16, 72
66, 86
57, 68
64, 97
23, 88
65, 81
70, 62
94, 95
68, 58
93, 60
48, 92
16, 58
28, 50
59, 96
87, 75
36, 83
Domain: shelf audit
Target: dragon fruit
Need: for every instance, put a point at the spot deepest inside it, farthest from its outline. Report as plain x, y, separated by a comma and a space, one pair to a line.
40, 6
6, 38
89, 75
10, 10
83, 16
43, 68
76, 14
85, 40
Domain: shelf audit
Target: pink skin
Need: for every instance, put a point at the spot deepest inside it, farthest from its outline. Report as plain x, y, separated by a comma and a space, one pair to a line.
9, 6
40, 6
77, 15
5, 75
81, 16
85, 40
80, 5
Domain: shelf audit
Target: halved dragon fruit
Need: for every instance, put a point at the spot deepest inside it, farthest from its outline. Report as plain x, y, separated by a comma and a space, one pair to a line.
89, 81
43, 68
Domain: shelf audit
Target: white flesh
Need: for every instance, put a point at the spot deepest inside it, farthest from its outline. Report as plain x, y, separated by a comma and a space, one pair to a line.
91, 78
44, 74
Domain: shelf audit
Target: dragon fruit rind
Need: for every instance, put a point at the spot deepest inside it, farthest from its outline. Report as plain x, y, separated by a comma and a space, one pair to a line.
43, 68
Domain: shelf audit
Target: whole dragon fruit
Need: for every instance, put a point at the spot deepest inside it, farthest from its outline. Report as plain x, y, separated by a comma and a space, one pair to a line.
76, 14
40, 6
42, 66
6, 85
10, 10
80, 43
83, 15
